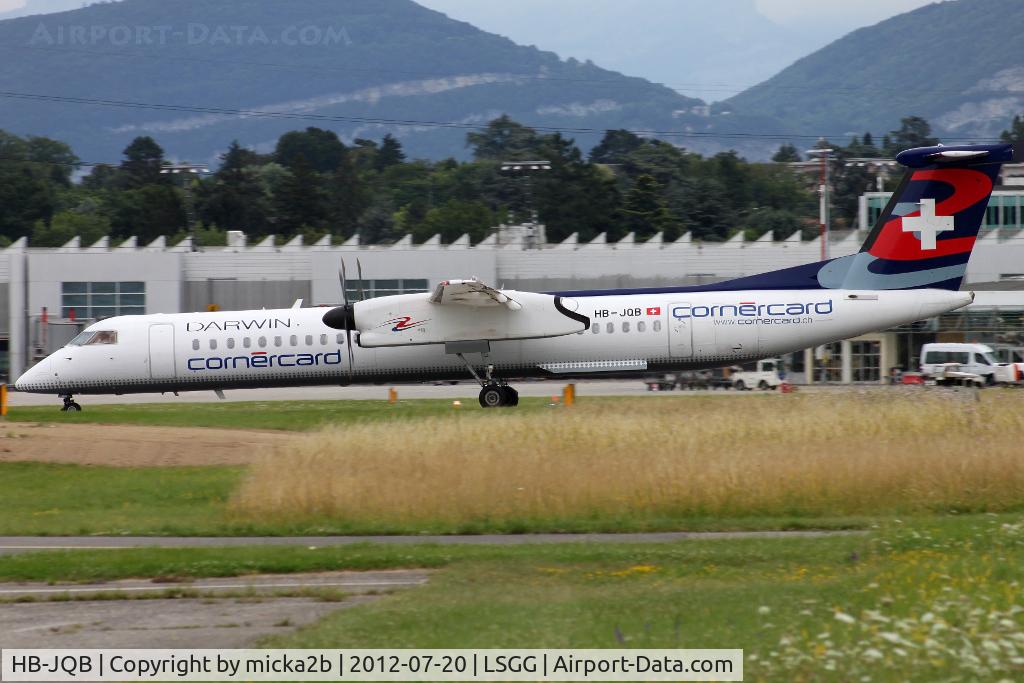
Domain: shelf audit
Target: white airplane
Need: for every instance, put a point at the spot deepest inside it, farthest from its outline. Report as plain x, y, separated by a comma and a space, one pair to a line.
910, 268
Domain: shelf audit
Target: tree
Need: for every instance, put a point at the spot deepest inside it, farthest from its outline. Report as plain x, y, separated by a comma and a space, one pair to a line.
300, 200
235, 198
147, 212
644, 211
1015, 133
504, 139
914, 131
91, 227
28, 187
615, 147
455, 218
321, 150
390, 153
787, 154
143, 158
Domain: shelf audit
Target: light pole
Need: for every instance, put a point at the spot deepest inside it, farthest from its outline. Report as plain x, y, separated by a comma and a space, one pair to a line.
528, 169
194, 169
825, 155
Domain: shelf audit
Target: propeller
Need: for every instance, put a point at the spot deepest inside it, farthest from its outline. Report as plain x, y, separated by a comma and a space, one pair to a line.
343, 317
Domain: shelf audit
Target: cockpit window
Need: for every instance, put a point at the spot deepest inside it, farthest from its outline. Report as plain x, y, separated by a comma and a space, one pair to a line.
94, 338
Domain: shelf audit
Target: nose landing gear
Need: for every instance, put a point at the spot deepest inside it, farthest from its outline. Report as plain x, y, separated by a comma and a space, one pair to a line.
69, 404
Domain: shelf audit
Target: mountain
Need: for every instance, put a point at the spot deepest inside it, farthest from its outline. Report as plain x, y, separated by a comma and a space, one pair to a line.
361, 67
958, 64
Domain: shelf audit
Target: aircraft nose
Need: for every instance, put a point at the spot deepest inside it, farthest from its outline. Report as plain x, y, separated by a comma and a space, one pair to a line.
34, 376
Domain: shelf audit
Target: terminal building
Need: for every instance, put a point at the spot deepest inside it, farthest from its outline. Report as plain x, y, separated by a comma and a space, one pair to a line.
48, 295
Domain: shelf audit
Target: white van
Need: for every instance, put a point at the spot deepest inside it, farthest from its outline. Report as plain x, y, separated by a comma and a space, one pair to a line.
976, 359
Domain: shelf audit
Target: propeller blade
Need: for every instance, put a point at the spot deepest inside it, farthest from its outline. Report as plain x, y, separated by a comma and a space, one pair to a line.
359, 268
344, 282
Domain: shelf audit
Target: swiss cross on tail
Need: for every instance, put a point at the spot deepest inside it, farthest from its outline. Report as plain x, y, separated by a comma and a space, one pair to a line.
928, 225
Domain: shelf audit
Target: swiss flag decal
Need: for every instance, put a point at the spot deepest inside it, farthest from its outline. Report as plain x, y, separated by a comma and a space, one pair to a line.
654, 311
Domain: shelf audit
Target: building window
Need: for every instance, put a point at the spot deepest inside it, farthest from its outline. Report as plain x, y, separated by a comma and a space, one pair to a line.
372, 289
865, 360
102, 299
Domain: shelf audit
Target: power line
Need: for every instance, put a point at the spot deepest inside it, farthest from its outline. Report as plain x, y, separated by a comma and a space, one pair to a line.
271, 114
621, 82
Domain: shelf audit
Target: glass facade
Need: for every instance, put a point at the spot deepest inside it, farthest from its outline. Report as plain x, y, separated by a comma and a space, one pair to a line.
98, 300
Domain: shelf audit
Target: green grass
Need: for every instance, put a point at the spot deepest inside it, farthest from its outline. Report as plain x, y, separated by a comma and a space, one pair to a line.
937, 598
46, 499
67, 500
279, 415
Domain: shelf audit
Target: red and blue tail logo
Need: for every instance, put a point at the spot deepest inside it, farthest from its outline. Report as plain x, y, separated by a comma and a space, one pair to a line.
925, 235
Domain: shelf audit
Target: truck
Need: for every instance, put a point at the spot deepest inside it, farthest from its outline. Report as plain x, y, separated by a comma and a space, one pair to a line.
764, 375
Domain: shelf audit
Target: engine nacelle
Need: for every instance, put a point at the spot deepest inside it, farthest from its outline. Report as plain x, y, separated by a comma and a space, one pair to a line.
413, 319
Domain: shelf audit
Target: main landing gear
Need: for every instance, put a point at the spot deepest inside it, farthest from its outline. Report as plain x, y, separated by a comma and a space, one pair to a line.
494, 393
70, 405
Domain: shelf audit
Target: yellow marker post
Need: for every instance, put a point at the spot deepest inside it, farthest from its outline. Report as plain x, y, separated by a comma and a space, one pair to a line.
569, 395
3, 400
392, 395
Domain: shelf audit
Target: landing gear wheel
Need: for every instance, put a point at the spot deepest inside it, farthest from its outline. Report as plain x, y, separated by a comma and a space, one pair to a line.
511, 397
492, 396
70, 406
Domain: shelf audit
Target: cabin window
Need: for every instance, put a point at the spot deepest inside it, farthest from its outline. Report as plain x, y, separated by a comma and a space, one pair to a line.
278, 341
262, 342
293, 340
341, 339
247, 342
323, 340
641, 326
595, 328
195, 344
231, 343
610, 327
657, 326
213, 344
309, 340
625, 327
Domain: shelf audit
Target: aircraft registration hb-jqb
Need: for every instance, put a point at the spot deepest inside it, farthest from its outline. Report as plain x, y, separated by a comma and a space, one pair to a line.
910, 268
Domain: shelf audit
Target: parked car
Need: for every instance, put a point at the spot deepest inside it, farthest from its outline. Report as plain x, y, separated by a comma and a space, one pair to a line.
975, 359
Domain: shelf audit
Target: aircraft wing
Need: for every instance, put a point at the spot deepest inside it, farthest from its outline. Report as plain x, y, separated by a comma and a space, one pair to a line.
471, 293
464, 311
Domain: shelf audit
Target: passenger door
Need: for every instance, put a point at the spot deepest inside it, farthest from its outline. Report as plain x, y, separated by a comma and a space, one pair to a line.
161, 351
680, 332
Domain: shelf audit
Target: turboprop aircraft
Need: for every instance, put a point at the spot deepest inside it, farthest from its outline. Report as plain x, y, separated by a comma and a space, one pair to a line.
910, 268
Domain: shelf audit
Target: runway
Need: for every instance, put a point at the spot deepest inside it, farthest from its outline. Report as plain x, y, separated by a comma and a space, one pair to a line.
22, 544
465, 390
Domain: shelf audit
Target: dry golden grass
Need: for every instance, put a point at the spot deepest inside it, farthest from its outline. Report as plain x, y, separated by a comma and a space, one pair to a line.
806, 455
